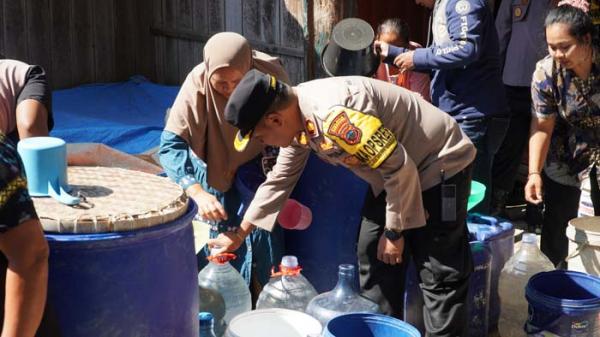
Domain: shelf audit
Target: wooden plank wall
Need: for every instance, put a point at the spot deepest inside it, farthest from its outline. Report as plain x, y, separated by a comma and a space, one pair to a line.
275, 27
86, 41
80, 41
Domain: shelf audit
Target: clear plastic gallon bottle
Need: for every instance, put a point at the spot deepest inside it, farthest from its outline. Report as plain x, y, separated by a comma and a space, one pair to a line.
344, 298
287, 289
222, 277
206, 324
526, 262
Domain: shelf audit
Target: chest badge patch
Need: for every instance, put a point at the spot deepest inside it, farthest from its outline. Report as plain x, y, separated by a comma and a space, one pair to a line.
342, 128
361, 135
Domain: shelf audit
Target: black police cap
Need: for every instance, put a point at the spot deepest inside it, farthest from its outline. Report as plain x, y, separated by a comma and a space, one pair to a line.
249, 102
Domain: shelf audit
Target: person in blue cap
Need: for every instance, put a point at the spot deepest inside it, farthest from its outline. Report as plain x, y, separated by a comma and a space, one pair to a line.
23, 248
466, 80
392, 138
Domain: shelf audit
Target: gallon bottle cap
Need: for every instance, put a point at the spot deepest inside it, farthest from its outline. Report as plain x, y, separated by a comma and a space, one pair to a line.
289, 261
205, 319
221, 258
529, 238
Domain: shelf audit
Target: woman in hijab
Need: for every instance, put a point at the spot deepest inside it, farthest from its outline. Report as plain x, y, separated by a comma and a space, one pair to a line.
197, 152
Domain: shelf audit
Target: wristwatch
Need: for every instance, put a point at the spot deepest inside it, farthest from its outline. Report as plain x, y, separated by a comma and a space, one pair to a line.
392, 235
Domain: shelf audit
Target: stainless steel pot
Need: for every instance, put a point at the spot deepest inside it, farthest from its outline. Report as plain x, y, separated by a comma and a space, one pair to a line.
350, 49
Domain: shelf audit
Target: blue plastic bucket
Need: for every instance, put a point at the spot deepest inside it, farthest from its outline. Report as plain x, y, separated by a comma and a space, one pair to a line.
137, 283
368, 325
498, 235
477, 297
564, 303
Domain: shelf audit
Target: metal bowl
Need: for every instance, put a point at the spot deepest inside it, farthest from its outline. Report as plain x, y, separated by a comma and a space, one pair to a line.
350, 49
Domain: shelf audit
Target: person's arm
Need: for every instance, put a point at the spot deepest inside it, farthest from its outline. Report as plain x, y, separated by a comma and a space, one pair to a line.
22, 242
26, 250
504, 29
174, 155
544, 114
269, 198
539, 143
32, 119
32, 105
465, 29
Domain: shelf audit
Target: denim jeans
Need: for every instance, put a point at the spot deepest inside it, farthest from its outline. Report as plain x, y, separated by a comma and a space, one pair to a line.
262, 249
487, 134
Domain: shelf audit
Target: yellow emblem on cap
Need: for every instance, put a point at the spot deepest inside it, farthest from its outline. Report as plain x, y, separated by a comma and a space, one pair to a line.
273, 82
360, 134
241, 142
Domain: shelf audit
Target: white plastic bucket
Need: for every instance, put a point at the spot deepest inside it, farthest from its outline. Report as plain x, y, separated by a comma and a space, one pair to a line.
584, 245
273, 322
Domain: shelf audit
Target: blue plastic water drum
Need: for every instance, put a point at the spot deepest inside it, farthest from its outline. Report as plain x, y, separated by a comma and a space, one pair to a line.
498, 235
137, 283
563, 303
335, 196
368, 325
477, 297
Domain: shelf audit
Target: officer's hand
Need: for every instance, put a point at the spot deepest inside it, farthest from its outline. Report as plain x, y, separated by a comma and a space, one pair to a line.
225, 242
381, 48
533, 189
390, 252
404, 61
209, 208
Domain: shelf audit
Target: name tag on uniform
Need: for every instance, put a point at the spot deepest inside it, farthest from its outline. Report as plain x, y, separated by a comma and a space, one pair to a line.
361, 135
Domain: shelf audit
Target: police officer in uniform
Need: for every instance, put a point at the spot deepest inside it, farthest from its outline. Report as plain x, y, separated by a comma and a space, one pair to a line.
393, 139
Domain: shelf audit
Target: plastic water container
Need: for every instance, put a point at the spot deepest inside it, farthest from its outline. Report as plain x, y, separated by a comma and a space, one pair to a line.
477, 298
498, 235
126, 283
222, 277
207, 324
584, 245
368, 325
212, 302
335, 196
274, 322
526, 262
563, 303
288, 289
344, 298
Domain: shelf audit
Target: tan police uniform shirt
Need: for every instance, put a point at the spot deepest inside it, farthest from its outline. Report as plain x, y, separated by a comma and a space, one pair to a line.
385, 134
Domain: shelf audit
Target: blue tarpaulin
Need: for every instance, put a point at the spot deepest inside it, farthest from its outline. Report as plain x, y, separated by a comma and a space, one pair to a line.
128, 116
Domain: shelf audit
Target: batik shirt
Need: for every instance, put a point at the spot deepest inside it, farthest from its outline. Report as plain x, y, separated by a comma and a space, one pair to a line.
558, 92
16, 205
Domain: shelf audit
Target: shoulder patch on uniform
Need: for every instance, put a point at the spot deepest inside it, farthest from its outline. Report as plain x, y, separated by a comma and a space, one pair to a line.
361, 135
462, 7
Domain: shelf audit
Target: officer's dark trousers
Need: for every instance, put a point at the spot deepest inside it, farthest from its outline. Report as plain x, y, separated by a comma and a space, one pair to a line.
508, 158
441, 254
48, 326
561, 203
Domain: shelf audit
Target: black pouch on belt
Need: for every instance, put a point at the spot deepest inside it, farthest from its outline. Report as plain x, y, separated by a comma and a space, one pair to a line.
448, 195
